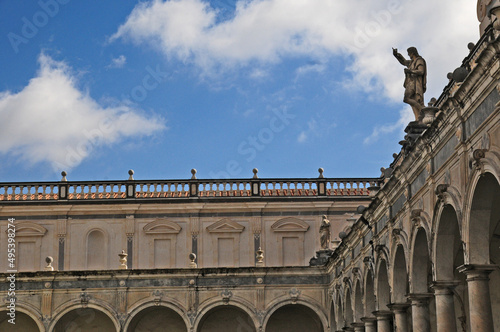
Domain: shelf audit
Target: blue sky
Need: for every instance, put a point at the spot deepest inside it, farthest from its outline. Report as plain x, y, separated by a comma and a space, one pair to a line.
100, 87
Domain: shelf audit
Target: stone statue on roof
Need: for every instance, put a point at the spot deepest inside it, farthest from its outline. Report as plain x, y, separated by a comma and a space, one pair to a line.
324, 231
415, 80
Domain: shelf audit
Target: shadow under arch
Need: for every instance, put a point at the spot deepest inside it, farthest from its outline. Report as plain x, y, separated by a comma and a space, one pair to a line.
90, 314
148, 303
30, 321
225, 317
289, 303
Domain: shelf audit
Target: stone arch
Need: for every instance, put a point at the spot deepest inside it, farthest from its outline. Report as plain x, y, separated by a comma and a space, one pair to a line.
370, 300
481, 223
420, 262
482, 235
358, 301
382, 290
147, 305
240, 308
96, 245
400, 287
28, 321
295, 317
75, 315
448, 255
447, 244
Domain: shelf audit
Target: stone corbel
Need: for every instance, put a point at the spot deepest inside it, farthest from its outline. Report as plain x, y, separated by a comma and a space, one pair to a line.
477, 155
441, 189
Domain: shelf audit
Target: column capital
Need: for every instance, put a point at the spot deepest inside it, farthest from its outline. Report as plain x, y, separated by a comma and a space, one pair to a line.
420, 300
382, 314
442, 287
477, 271
399, 307
358, 326
369, 321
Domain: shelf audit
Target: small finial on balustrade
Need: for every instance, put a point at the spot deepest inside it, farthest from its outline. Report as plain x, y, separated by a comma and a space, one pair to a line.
255, 171
63, 173
193, 171
260, 257
49, 261
192, 259
123, 260
321, 170
131, 174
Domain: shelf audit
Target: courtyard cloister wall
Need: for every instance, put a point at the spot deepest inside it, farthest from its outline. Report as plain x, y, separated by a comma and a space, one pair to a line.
422, 255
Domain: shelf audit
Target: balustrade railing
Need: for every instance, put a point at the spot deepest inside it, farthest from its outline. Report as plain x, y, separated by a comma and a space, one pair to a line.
194, 188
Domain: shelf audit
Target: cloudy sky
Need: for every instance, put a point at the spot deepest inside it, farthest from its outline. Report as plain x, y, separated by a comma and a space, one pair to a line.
100, 87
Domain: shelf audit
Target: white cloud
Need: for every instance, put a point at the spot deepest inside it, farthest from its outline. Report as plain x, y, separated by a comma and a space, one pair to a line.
302, 137
267, 31
405, 116
51, 120
118, 62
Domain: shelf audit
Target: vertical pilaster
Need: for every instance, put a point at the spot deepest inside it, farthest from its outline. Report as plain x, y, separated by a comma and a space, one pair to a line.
481, 316
130, 231
61, 235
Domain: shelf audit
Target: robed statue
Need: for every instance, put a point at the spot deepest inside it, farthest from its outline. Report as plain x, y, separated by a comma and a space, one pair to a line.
415, 80
324, 231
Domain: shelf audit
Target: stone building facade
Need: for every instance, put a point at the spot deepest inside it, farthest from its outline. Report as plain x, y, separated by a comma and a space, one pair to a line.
422, 254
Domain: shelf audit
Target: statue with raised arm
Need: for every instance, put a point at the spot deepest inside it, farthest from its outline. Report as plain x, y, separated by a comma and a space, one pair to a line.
415, 80
324, 231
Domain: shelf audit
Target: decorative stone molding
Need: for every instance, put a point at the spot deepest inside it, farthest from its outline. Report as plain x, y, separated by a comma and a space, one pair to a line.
162, 226
441, 189
226, 295
29, 229
157, 294
290, 225
225, 226
84, 299
294, 294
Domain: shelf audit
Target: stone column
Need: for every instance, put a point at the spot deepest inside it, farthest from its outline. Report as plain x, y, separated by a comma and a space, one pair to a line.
370, 324
358, 327
445, 305
481, 317
420, 312
400, 316
383, 320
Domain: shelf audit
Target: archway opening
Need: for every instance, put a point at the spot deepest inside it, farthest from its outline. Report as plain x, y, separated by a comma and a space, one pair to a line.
400, 276
369, 295
85, 319
358, 304
226, 318
294, 318
484, 235
383, 290
449, 256
157, 319
23, 323
348, 309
